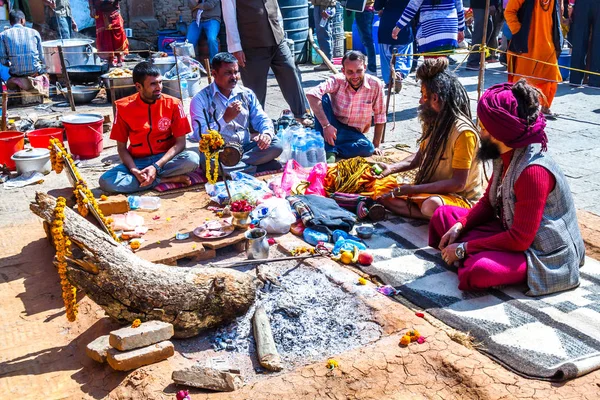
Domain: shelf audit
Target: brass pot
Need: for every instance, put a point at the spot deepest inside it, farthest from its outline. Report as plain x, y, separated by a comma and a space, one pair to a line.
241, 219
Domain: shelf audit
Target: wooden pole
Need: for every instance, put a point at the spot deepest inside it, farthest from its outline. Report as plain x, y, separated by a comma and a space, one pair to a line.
178, 78
4, 111
481, 79
207, 67
66, 75
111, 84
266, 350
389, 93
326, 60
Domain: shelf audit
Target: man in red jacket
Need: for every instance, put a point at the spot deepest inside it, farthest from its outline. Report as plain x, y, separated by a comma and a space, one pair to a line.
155, 126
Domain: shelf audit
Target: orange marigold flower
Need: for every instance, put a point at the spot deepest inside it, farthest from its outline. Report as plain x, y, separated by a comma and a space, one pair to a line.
136, 323
405, 341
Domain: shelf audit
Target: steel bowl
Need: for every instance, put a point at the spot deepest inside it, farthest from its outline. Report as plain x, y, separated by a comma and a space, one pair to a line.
81, 94
365, 231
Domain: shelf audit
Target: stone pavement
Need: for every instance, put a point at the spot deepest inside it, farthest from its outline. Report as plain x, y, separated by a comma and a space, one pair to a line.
573, 138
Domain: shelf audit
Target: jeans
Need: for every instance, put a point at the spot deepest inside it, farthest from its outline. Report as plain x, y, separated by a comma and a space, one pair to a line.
120, 180
349, 142
324, 34
402, 63
63, 26
364, 23
211, 27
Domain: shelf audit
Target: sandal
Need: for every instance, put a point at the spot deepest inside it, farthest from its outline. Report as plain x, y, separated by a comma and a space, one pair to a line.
549, 114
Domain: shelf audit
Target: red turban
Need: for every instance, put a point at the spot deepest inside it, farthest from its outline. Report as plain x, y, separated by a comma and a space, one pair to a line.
497, 111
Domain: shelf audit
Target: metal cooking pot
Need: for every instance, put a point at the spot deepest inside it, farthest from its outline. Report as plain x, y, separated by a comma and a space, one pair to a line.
86, 73
81, 94
76, 52
35, 159
164, 64
185, 49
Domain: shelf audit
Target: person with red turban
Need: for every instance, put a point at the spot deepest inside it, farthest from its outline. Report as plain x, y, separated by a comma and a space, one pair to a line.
524, 229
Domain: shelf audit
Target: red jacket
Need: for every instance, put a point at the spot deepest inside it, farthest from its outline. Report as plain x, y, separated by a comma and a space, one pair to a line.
149, 128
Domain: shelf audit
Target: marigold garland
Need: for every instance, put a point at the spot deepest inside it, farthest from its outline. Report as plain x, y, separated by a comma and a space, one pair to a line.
85, 197
211, 144
62, 245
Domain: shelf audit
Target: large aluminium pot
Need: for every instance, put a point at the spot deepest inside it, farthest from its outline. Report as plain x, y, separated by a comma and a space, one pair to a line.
76, 52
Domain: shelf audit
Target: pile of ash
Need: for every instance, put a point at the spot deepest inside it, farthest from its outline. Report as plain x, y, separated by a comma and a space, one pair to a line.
311, 317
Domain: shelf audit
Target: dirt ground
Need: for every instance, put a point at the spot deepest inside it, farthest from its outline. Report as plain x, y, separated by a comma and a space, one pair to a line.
42, 355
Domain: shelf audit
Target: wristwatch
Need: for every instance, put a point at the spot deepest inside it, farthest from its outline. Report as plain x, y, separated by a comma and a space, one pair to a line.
460, 251
157, 168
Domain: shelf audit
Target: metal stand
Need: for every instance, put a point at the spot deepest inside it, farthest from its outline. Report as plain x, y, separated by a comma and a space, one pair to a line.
225, 181
66, 74
178, 78
4, 111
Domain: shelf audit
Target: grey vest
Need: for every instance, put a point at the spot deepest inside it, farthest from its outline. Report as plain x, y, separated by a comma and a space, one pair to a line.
258, 23
557, 252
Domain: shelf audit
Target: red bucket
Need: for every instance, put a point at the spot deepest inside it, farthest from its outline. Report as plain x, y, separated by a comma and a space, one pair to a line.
41, 137
84, 134
10, 143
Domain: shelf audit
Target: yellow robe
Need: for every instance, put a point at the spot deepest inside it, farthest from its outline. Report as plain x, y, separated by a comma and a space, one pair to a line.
541, 48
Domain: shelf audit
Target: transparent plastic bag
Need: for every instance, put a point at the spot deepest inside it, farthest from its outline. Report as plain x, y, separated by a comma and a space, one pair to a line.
241, 186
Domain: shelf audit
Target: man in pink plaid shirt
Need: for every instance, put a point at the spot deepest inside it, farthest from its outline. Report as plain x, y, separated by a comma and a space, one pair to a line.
344, 105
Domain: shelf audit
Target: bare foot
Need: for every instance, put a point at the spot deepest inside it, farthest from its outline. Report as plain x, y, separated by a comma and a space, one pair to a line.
177, 179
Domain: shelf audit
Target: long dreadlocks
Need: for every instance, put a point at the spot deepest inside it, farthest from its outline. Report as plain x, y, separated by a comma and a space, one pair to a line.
454, 102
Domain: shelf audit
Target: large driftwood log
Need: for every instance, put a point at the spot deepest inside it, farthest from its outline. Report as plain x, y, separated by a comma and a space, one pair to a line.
127, 287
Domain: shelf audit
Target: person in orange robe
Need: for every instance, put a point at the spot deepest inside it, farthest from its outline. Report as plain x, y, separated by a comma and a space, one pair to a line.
541, 47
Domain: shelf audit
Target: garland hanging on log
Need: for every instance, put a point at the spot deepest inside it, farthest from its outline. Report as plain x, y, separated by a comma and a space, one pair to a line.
62, 245
85, 197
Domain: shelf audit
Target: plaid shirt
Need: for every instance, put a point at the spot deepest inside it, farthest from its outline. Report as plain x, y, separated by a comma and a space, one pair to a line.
21, 50
354, 107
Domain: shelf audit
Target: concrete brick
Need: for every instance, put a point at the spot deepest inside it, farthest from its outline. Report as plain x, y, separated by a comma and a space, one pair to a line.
98, 349
208, 378
146, 334
113, 205
128, 360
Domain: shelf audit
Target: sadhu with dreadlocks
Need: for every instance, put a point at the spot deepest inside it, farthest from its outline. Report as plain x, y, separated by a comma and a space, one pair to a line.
449, 172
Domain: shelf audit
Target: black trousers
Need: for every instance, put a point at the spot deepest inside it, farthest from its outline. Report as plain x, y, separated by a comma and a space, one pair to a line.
586, 20
281, 61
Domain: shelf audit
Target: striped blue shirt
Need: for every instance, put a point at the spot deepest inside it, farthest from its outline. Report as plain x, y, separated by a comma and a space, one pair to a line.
21, 51
439, 22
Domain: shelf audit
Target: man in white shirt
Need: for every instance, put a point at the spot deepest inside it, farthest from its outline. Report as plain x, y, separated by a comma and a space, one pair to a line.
255, 37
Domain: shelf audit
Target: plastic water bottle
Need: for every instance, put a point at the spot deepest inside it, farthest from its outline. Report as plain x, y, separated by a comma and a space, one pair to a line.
320, 148
299, 148
330, 12
143, 202
184, 88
